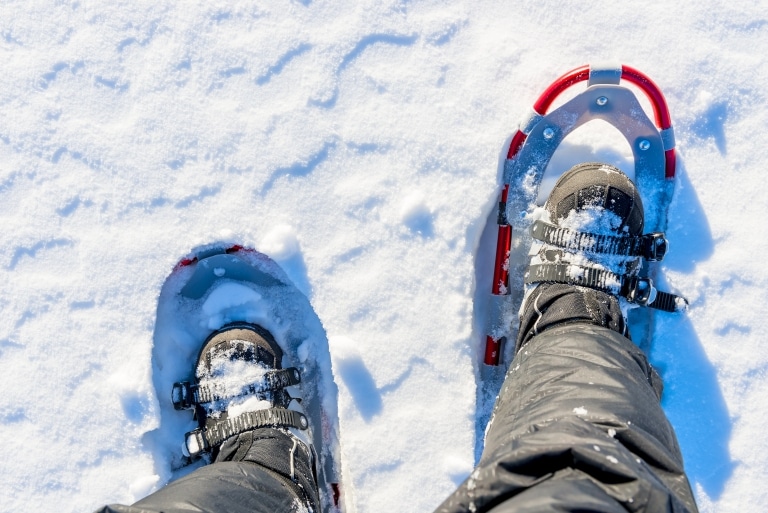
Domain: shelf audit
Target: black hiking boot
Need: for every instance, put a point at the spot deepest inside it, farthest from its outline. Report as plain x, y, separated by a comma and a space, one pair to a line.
248, 407
587, 255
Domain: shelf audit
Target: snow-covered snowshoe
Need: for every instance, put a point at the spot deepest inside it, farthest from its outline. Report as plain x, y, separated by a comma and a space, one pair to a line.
240, 369
239, 345
527, 157
587, 254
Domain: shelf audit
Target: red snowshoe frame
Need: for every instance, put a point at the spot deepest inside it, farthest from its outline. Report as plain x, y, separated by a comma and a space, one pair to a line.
540, 134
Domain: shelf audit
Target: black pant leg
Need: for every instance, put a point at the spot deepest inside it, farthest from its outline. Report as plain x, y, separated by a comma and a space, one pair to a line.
259, 471
232, 487
578, 427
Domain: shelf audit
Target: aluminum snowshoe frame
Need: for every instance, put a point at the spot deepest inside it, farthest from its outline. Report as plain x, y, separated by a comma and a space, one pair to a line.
531, 149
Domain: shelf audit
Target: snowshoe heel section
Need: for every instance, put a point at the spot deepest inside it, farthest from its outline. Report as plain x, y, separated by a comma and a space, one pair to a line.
240, 363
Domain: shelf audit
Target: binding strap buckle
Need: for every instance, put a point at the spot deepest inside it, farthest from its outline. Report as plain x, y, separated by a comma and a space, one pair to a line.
639, 291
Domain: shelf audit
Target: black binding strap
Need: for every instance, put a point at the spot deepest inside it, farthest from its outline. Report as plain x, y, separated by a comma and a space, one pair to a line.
651, 246
200, 440
669, 302
186, 395
633, 288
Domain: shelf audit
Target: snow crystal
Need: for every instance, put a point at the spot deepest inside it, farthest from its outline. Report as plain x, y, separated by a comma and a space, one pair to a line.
231, 301
528, 184
228, 376
416, 215
298, 506
228, 295
591, 219
281, 242
580, 410
245, 404
472, 481
304, 351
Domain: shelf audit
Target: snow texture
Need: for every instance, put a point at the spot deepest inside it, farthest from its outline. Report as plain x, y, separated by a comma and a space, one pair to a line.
358, 144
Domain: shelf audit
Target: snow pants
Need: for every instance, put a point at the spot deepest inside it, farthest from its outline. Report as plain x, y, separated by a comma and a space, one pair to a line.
577, 427
259, 471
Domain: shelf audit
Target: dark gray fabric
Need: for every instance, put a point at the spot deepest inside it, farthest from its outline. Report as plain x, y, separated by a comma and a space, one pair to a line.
252, 473
578, 427
279, 452
557, 304
232, 487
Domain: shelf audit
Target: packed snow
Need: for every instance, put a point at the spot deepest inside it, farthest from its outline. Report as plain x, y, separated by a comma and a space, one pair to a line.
358, 144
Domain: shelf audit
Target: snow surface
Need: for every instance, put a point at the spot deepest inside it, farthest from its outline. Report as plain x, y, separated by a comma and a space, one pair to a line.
358, 144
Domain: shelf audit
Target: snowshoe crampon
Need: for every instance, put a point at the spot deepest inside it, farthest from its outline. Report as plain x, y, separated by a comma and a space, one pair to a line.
222, 284
530, 151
